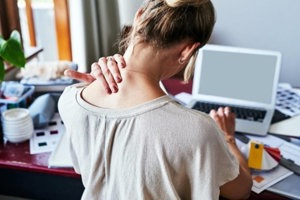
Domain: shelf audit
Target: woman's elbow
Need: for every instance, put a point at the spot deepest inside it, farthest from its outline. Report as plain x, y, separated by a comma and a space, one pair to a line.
237, 189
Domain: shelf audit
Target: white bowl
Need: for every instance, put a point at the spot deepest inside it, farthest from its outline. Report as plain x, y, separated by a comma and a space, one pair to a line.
18, 130
22, 138
15, 114
17, 125
17, 122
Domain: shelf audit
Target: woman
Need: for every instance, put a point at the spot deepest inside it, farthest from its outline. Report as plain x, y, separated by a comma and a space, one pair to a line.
140, 144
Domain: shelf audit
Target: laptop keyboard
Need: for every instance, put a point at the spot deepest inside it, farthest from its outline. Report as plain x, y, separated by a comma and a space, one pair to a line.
240, 112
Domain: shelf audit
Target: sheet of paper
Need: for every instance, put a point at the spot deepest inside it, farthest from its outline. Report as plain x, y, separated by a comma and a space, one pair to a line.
61, 157
264, 179
288, 99
288, 127
45, 140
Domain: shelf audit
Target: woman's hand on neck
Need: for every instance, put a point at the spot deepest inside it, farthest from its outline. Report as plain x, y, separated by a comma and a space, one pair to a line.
140, 82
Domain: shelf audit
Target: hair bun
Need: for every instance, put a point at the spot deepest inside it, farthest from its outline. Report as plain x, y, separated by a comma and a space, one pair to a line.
178, 3
172, 3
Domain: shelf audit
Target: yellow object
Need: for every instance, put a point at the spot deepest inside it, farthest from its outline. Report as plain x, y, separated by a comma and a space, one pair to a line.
255, 158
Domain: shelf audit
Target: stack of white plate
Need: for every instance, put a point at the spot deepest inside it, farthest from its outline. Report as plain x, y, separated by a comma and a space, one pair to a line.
17, 125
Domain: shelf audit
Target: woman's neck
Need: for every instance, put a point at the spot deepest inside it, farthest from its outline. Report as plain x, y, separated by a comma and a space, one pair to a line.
140, 83
143, 61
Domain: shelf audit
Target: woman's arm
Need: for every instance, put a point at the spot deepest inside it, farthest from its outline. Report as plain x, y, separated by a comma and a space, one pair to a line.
240, 187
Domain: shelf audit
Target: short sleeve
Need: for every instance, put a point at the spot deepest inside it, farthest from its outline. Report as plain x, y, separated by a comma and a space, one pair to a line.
228, 164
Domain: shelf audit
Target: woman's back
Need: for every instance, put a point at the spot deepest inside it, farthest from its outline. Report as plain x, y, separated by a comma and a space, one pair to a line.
155, 150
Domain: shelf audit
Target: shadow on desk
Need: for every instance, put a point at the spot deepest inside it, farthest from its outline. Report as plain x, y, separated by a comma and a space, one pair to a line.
39, 185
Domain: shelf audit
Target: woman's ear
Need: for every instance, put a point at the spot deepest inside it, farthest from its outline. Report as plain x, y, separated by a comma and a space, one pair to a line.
188, 51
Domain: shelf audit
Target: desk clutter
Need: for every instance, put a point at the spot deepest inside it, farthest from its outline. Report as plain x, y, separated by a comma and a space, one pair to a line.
36, 93
288, 100
15, 95
271, 160
39, 122
288, 107
47, 76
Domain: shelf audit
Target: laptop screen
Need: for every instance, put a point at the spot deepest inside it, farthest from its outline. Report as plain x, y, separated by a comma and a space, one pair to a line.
237, 75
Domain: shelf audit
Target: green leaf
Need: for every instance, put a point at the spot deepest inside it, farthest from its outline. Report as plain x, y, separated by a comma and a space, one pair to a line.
15, 35
12, 52
2, 70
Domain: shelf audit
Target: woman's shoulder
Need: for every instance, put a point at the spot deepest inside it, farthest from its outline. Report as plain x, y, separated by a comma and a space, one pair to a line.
190, 121
69, 95
192, 114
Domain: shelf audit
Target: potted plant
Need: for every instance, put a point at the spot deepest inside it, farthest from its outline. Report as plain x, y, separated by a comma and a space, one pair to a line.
11, 52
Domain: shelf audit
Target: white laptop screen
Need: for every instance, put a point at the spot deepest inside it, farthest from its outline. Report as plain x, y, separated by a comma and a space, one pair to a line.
237, 75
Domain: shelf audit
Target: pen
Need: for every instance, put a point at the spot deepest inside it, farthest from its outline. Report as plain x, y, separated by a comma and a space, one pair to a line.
289, 164
242, 137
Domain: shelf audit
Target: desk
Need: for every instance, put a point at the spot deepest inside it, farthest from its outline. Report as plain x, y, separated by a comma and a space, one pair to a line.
25, 175
28, 176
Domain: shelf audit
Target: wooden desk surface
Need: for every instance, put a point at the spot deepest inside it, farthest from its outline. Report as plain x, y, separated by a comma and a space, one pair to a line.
17, 156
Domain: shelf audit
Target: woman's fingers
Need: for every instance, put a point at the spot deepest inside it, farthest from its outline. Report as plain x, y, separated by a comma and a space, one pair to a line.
120, 60
97, 73
230, 117
225, 119
106, 68
114, 64
227, 111
107, 71
218, 119
79, 76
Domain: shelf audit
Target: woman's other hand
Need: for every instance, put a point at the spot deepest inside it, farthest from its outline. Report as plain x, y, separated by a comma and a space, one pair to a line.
225, 119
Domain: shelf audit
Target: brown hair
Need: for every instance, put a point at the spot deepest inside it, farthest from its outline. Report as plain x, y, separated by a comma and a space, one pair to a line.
167, 22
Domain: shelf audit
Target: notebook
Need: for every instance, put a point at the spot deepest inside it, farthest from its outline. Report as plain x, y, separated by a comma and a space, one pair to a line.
244, 79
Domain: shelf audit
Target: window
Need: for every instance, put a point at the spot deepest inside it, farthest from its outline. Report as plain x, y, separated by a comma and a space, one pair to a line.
9, 18
42, 23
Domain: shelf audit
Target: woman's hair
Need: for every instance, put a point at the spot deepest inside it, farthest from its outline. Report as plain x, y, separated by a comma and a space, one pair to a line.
164, 23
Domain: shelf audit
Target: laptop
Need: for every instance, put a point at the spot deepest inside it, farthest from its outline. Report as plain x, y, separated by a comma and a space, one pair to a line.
243, 79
